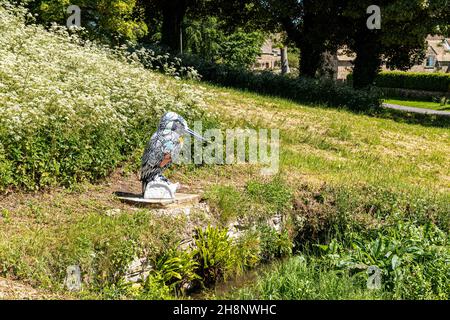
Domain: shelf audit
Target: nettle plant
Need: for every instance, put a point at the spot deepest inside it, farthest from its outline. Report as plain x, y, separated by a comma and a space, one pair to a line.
72, 109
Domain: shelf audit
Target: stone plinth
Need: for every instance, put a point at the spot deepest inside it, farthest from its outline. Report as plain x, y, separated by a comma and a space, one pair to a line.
181, 199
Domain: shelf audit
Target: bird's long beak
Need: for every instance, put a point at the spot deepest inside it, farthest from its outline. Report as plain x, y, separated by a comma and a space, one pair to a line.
195, 135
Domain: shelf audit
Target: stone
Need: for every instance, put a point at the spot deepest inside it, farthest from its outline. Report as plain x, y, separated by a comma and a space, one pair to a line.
179, 200
276, 222
138, 270
112, 212
73, 278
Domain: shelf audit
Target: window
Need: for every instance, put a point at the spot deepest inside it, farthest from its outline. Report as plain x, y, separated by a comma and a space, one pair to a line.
430, 62
446, 45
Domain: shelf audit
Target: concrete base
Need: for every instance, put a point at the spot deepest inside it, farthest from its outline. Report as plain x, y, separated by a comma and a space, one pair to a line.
179, 200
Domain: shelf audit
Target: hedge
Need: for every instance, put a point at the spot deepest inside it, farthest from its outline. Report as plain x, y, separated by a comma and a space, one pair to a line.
438, 82
302, 90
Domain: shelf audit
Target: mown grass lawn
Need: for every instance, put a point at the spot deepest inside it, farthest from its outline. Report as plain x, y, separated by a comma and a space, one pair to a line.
322, 145
419, 104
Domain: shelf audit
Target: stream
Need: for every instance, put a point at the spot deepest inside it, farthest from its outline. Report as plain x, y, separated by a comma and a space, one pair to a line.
248, 278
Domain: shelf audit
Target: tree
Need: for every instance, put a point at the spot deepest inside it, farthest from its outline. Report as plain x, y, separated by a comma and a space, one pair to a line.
317, 26
284, 60
233, 14
400, 41
111, 20
310, 24
214, 41
172, 14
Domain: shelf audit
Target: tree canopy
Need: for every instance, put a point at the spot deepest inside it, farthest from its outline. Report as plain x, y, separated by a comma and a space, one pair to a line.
230, 30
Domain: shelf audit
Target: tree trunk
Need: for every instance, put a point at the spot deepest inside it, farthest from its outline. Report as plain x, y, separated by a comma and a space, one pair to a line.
173, 12
368, 60
284, 61
310, 59
312, 42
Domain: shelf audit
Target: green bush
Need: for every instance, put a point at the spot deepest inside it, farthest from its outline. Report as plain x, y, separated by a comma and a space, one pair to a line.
302, 90
336, 211
273, 244
299, 278
175, 268
413, 259
426, 81
248, 251
214, 254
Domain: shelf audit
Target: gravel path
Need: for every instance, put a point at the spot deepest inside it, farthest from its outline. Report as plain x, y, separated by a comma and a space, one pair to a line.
416, 110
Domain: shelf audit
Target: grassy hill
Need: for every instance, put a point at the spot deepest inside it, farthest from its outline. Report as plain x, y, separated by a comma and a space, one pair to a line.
352, 190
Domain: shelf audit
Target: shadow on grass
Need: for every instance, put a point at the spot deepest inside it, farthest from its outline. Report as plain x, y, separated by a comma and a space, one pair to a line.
429, 120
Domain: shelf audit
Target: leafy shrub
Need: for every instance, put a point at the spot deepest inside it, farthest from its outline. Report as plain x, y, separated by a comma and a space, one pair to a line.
336, 211
274, 244
299, 278
214, 254
412, 80
154, 289
176, 268
248, 251
413, 259
302, 90
75, 116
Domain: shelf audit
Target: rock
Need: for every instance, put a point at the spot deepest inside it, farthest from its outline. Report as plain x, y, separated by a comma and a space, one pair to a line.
276, 222
112, 212
235, 230
138, 270
73, 278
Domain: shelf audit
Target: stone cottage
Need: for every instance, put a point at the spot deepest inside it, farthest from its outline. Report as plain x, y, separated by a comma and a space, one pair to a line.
437, 58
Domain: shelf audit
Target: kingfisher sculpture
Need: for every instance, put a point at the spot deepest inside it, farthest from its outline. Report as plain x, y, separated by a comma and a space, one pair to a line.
164, 146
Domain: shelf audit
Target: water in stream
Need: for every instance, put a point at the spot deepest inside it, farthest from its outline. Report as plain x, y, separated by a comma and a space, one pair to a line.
246, 279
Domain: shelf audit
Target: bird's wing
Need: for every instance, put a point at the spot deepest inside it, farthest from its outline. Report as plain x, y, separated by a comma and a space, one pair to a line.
152, 157
162, 142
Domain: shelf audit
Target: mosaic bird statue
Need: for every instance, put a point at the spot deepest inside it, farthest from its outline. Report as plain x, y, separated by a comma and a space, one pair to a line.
164, 146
